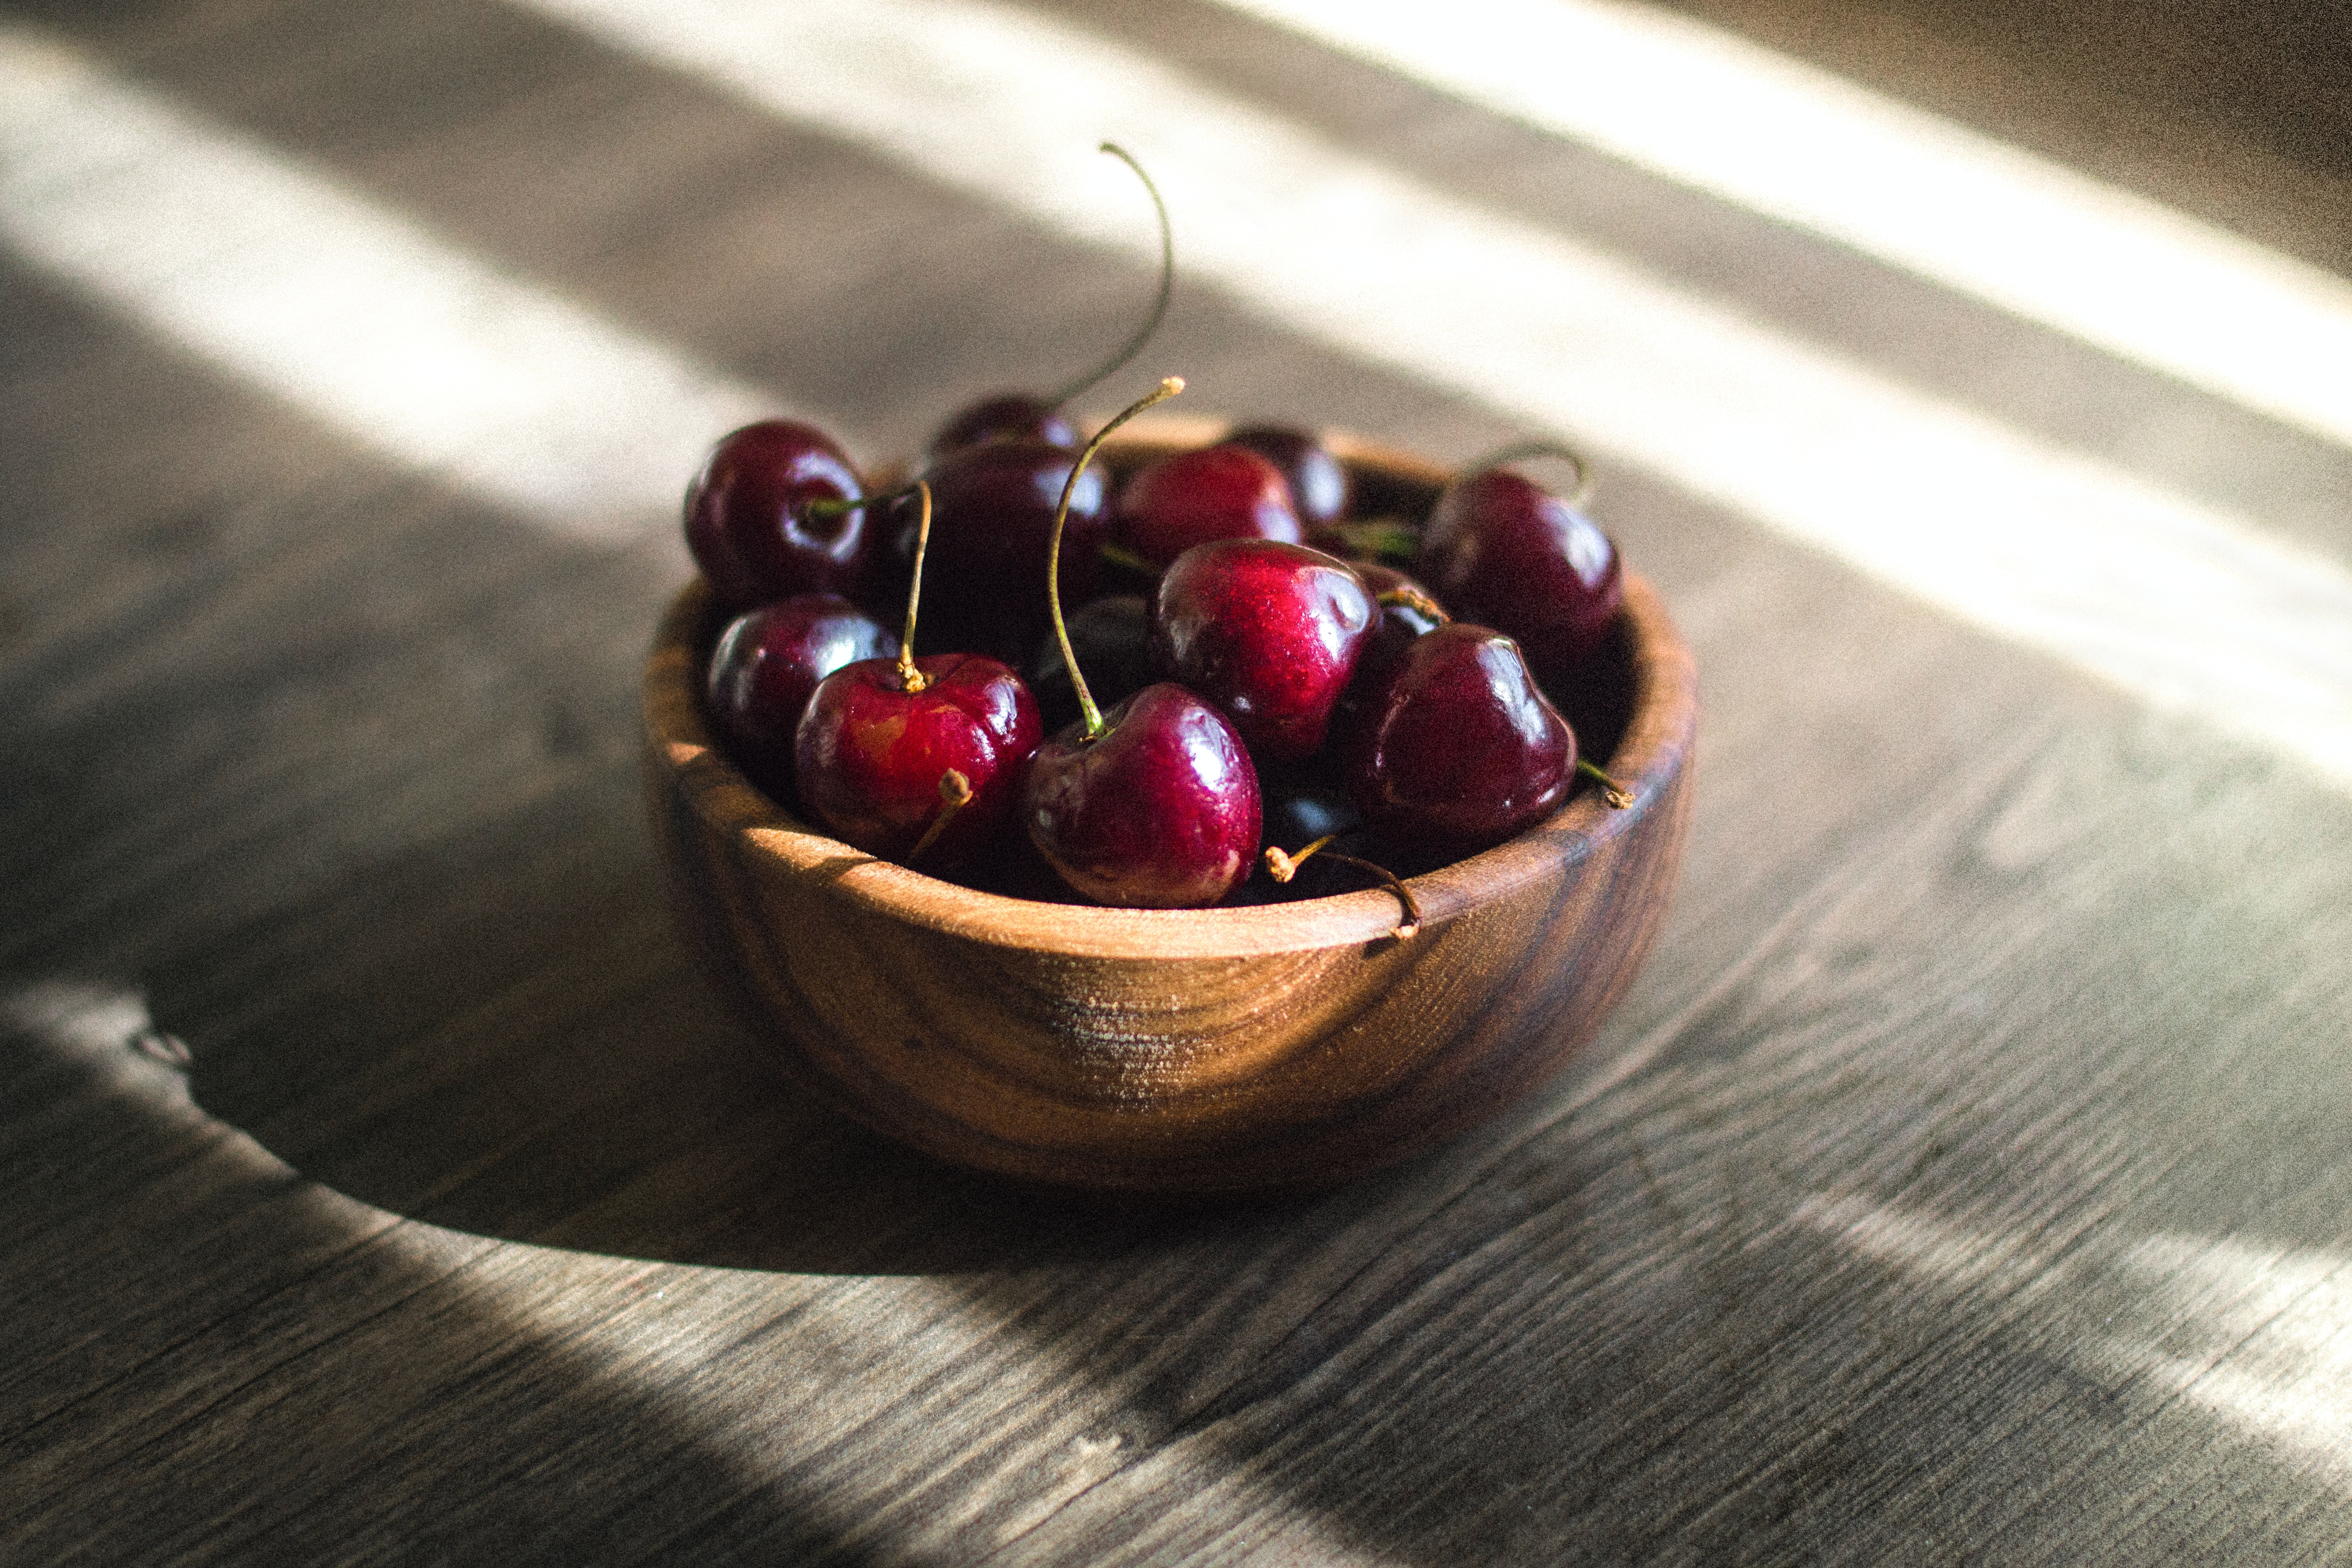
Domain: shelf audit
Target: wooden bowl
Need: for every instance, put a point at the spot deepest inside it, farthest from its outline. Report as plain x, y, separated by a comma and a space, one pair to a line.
1282, 1045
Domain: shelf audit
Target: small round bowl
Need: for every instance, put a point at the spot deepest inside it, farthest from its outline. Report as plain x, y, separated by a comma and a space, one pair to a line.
1280, 1045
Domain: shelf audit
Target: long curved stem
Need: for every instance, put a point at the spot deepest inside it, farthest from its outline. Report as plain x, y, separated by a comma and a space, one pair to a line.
1169, 387
1518, 451
1142, 335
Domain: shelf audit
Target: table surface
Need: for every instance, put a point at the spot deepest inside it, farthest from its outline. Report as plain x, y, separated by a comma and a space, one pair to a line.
1965, 1178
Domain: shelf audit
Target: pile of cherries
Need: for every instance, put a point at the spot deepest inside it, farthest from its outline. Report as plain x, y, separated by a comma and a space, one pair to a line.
1259, 693
1245, 665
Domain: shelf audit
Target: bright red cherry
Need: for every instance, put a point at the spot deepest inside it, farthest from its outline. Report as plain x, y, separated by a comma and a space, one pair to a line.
1192, 498
1503, 552
768, 663
1267, 632
874, 757
1158, 810
747, 521
1319, 487
992, 528
1458, 751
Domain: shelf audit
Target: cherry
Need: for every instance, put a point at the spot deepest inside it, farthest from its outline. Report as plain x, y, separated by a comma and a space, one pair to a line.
1505, 552
1007, 416
1157, 810
1319, 487
768, 663
881, 764
748, 523
916, 759
1458, 750
1212, 492
1300, 807
1021, 416
1156, 804
1407, 612
994, 528
1268, 632
1112, 637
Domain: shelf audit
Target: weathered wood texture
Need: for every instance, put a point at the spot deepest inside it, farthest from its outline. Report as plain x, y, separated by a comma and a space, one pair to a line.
1966, 1179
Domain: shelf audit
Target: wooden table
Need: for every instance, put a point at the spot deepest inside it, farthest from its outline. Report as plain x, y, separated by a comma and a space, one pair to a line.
1966, 1179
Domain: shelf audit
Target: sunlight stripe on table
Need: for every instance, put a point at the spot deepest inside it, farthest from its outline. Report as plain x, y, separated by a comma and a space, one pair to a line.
1978, 216
365, 320
2169, 600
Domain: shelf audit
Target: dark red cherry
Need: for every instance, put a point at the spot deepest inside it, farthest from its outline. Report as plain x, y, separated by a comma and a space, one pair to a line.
1407, 610
1192, 498
1503, 552
1112, 639
1458, 750
1007, 416
1268, 632
871, 755
991, 525
744, 522
1319, 487
1303, 806
1157, 811
768, 662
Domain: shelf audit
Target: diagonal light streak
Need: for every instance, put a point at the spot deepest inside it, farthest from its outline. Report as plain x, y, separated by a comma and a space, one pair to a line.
2174, 602
1982, 217
414, 348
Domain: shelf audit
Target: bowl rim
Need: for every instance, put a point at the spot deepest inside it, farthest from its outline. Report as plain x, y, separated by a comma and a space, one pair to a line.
1649, 757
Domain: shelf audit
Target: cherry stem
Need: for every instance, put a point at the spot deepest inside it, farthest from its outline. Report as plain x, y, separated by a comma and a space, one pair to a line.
1383, 537
1169, 387
1612, 792
1576, 497
1284, 866
955, 793
1414, 599
1143, 334
1120, 555
842, 506
909, 678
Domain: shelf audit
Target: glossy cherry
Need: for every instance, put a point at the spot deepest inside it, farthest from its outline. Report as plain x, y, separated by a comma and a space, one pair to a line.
1210, 493
917, 759
1006, 417
1458, 750
767, 665
1159, 810
1319, 485
1111, 639
993, 526
1502, 551
1407, 612
1267, 632
1155, 804
873, 758
748, 521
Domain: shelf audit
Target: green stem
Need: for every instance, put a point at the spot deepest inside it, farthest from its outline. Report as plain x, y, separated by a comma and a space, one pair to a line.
1134, 346
1612, 792
1169, 387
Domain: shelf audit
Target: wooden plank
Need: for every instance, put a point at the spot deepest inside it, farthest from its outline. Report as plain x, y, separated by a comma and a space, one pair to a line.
1965, 1178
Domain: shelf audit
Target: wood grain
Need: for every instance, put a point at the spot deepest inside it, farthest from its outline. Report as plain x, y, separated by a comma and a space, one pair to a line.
1963, 1180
